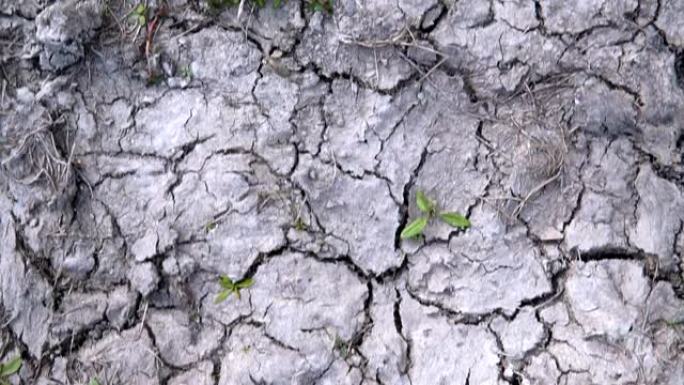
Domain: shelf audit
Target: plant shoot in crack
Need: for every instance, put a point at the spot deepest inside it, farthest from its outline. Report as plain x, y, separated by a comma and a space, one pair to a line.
429, 208
9, 368
299, 224
342, 347
186, 72
326, 6
229, 287
210, 226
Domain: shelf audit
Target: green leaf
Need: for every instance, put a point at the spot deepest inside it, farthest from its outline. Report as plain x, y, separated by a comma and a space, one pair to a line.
299, 224
10, 367
94, 381
455, 220
226, 283
186, 72
316, 5
139, 9
674, 323
211, 226
276, 3
415, 228
424, 204
245, 283
216, 4
222, 296
328, 5
342, 346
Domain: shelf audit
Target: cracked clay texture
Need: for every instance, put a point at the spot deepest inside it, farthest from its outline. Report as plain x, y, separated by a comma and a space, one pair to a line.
145, 155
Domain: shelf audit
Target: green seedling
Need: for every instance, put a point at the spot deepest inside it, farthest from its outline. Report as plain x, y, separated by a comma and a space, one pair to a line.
94, 381
299, 224
341, 346
429, 208
230, 287
217, 4
186, 72
321, 6
209, 227
139, 14
674, 323
154, 78
9, 368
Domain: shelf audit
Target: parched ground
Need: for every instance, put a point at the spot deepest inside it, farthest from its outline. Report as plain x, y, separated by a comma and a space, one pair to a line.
142, 162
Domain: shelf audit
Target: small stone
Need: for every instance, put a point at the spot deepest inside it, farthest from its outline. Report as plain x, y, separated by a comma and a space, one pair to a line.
63, 27
180, 341
120, 306
143, 277
78, 311
186, 265
551, 234
520, 335
129, 355
606, 296
145, 247
170, 266
78, 266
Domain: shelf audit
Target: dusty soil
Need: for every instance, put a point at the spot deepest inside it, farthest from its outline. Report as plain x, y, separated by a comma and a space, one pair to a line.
142, 162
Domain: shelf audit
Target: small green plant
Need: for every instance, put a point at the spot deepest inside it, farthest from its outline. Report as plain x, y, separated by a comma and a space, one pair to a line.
299, 224
154, 78
186, 72
139, 14
341, 346
429, 208
9, 368
674, 323
230, 287
211, 226
321, 6
94, 381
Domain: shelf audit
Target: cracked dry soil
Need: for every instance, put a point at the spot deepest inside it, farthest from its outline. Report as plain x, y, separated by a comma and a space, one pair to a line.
288, 147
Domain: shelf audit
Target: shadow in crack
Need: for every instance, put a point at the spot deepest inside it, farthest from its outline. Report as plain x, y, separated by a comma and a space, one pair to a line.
679, 67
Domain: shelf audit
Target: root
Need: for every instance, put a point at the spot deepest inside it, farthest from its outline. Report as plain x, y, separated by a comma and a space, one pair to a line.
36, 157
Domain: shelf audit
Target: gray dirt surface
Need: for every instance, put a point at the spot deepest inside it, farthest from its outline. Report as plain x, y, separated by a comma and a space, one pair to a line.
139, 163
